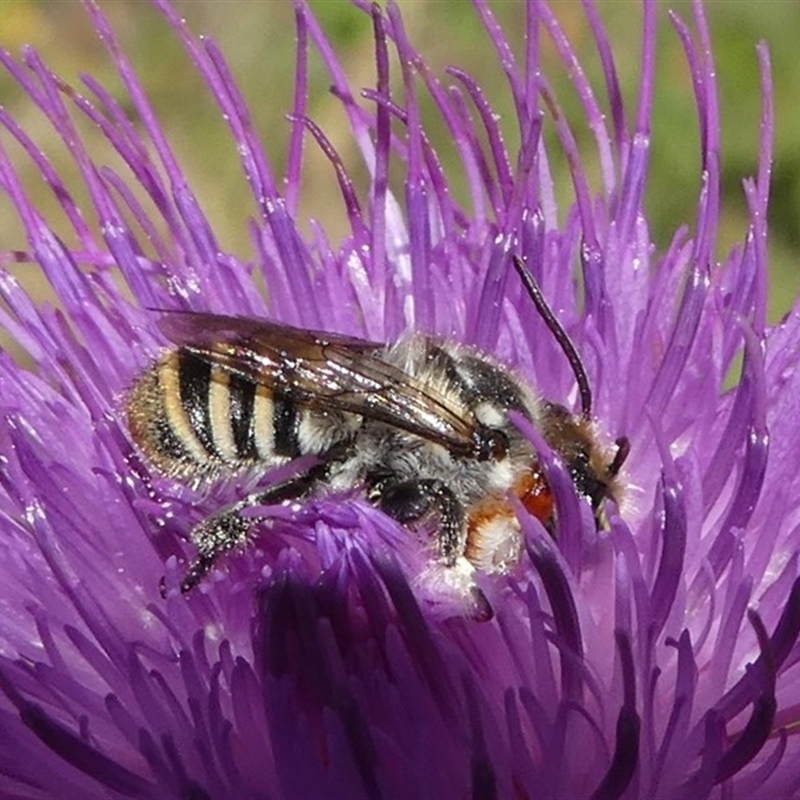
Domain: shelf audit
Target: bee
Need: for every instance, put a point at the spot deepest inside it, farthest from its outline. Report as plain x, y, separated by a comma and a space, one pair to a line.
422, 426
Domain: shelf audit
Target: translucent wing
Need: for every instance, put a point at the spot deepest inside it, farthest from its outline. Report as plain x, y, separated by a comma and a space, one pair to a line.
326, 371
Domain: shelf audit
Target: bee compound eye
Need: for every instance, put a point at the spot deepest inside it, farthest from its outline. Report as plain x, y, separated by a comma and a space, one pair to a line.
490, 444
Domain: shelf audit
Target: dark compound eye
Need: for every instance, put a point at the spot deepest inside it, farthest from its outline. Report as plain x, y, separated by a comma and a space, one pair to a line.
490, 444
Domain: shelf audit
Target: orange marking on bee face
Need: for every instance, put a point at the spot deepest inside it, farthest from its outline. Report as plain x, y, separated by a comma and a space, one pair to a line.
535, 495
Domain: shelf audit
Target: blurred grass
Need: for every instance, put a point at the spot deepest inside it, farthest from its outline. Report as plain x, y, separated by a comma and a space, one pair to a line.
258, 40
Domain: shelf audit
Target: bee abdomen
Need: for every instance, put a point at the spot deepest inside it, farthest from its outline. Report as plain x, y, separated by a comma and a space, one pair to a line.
193, 418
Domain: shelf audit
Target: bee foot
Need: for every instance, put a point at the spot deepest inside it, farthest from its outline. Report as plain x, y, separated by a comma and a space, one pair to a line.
198, 569
452, 590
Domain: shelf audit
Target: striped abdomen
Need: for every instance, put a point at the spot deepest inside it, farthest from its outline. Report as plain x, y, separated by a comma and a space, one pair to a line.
193, 419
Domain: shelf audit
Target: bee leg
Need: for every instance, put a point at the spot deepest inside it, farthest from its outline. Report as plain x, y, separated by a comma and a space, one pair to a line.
214, 536
227, 529
407, 501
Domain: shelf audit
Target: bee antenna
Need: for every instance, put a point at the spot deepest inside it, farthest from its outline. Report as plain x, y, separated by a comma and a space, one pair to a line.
560, 335
620, 457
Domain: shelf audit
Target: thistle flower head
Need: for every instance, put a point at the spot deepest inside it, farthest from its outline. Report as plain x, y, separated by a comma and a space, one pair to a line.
654, 657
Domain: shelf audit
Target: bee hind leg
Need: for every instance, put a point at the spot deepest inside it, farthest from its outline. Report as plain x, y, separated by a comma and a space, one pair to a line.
216, 535
228, 529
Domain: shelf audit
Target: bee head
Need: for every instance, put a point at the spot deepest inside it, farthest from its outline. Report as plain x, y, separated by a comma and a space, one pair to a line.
594, 475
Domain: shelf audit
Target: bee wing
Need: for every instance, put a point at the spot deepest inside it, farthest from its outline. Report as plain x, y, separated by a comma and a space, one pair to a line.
200, 328
323, 370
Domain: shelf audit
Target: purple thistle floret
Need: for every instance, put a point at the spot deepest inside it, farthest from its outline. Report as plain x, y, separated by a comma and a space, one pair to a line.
654, 658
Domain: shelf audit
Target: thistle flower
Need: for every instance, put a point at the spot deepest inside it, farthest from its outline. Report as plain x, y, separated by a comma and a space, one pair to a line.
655, 657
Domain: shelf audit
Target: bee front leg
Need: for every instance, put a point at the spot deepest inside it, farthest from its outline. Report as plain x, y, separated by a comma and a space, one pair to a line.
228, 529
407, 501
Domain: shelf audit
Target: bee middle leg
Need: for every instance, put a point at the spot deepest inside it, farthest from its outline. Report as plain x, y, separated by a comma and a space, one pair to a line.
228, 529
408, 501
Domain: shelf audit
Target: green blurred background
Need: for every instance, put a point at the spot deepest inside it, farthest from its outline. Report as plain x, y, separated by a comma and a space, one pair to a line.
258, 40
